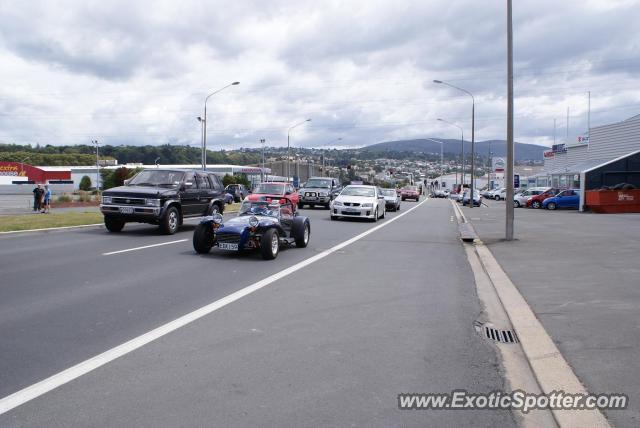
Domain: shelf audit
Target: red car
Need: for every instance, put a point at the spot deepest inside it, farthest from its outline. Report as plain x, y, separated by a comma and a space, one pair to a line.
410, 192
275, 190
536, 200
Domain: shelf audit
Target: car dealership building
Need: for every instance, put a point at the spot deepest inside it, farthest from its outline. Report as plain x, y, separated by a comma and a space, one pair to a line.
607, 156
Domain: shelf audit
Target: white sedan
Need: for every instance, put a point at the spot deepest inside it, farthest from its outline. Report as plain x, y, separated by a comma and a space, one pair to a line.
359, 201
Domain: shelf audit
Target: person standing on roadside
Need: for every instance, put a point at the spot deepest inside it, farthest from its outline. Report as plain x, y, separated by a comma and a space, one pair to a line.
38, 193
46, 208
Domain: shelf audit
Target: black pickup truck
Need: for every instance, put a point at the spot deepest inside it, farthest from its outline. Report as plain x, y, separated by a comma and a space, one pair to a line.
163, 197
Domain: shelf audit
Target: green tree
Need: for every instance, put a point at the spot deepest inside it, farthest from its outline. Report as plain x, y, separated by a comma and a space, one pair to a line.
228, 179
85, 183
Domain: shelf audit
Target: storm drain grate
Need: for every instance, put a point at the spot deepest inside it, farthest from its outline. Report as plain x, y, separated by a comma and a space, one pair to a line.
496, 334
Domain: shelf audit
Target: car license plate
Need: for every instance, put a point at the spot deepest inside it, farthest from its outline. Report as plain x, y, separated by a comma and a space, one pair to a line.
228, 246
312, 198
126, 210
349, 211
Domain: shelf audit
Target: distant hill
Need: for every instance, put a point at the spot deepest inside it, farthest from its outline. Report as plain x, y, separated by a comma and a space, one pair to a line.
498, 148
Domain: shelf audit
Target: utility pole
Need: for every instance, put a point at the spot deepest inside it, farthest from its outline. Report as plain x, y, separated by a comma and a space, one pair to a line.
554, 132
567, 138
509, 171
95, 142
589, 120
262, 141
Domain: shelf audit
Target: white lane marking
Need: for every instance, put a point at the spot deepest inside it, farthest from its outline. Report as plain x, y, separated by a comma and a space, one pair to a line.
143, 247
29, 393
52, 228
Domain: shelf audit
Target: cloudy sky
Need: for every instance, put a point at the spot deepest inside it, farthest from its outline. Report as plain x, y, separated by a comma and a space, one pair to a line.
136, 72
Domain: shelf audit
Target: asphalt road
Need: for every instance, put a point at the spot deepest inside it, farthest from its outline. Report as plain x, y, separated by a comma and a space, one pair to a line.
330, 344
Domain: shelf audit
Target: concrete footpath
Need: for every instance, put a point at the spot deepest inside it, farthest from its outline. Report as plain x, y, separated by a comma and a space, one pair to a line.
580, 273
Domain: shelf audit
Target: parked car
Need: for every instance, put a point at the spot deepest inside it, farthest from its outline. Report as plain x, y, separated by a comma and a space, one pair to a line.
260, 225
319, 191
239, 191
520, 199
361, 201
498, 194
391, 199
163, 197
535, 201
477, 199
486, 192
275, 190
441, 193
569, 198
228, 198
410, 192
456, 197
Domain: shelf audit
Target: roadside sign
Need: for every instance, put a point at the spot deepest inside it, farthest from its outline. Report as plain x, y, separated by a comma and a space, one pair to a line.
516, 180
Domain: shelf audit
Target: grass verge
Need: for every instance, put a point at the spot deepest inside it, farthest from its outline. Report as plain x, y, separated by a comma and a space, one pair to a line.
10, 223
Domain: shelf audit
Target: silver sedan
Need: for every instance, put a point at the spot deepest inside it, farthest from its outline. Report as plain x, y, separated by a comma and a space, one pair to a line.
359, 201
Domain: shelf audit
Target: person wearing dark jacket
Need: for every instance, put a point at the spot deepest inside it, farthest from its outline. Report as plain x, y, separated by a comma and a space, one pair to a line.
38, 193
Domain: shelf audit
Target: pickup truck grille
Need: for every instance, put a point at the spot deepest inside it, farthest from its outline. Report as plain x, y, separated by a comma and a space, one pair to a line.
230, 238
122, 200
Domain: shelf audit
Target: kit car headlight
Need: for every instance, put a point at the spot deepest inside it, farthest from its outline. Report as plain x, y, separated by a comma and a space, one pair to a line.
106, 199
253, 221
217, 218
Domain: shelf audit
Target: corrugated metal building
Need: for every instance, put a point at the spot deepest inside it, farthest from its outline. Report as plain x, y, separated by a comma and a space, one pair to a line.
564, 163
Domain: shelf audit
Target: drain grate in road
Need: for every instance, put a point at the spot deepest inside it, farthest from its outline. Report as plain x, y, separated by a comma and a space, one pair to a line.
496, 334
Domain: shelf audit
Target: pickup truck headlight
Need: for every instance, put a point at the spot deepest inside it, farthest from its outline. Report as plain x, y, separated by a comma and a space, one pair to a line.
106, 199
152, 202
367, 205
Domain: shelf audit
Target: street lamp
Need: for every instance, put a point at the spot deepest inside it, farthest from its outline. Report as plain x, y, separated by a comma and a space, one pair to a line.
509, 215
95, 142
204, 120
473, 129
262, 141
289, 145
441, 157
462, 148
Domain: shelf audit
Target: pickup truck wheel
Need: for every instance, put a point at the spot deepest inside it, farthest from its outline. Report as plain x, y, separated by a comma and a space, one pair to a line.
170, 221
113, 224
302, 236
203, 238
270, 244
213, 209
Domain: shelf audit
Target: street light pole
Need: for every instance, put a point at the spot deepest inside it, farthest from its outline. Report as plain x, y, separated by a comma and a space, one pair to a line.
473, 132
95, 142
509, 204
204, 133
262, 141
462, 147
289, 145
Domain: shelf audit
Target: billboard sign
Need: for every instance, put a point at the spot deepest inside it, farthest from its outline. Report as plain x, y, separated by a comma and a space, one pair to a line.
559, 148
498, 164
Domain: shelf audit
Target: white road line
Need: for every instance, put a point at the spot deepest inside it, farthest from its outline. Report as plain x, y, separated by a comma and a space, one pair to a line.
143, 247
52, 228
31, 392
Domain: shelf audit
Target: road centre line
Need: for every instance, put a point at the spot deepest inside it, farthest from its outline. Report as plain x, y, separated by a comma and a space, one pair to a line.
143, 247
40, 388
